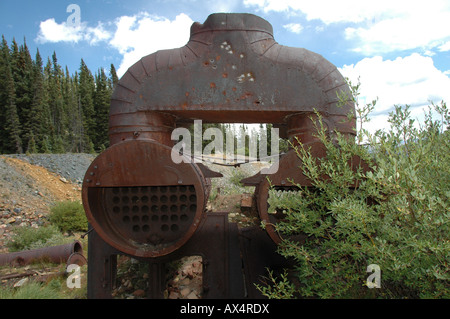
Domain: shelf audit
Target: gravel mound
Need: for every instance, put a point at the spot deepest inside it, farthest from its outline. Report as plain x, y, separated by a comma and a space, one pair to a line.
71, 166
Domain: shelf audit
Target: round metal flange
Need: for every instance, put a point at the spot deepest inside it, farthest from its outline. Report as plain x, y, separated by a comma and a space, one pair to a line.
140, 201
77, 259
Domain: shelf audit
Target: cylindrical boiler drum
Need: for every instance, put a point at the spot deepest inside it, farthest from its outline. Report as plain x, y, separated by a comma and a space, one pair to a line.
140, 201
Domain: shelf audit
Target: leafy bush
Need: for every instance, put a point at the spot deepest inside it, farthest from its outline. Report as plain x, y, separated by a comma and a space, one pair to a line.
25, 238
69, 216
398, 216
236, 176
277, 288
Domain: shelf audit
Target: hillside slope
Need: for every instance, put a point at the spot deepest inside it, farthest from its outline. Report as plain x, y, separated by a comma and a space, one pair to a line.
30, 185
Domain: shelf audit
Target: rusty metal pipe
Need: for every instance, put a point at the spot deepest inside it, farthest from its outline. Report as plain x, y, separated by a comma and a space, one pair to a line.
231, 71
56, 254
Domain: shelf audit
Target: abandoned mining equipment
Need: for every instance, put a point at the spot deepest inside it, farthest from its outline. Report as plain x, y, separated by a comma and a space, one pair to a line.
141, 204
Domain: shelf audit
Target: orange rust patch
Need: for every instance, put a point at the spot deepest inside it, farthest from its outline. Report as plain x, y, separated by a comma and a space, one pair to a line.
212, 85
246, 95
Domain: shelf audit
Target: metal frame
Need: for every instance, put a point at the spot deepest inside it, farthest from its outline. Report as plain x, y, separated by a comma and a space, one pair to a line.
231, 71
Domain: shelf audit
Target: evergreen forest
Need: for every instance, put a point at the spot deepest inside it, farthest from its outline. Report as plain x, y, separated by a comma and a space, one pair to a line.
45, 109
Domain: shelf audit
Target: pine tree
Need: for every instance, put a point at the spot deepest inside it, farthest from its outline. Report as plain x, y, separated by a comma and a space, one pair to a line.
57, 101
32, 147
22, 70
39, 113
50, 131
10, 138
113, 76
74, 118
102, 98
86, 89
80, 140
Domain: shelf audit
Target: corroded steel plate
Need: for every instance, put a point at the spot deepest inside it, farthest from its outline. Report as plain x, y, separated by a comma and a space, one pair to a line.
140, 201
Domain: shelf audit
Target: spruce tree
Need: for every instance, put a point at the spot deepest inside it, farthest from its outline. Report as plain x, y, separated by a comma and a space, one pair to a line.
101, 107
57, 102
10, 137
72, 118
3, 64
79, 139
39, 113
86, 89
22, 71
114, 79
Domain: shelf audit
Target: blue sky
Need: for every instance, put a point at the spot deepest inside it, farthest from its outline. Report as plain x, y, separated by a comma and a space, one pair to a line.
399, 49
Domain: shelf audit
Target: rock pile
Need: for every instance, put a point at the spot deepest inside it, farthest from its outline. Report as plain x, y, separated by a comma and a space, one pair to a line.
187, 282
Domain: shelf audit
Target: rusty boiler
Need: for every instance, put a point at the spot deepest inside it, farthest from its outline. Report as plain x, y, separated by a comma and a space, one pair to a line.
141, 204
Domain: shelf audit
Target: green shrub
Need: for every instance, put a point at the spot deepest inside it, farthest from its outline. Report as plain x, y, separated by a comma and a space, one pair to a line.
236, 176
68, 216
25, 238
277, 288
397, 218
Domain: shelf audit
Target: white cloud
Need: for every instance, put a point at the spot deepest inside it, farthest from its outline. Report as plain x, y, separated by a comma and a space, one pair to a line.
332, 11
142, 34
383, 26
51, 31
413, 29
444, 47
134, 37
293, 27
412, 80
97, 34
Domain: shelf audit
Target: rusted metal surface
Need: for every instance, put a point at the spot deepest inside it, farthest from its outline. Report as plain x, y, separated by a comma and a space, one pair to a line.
232, 70
140, 201
68, 253
259, 253
216, 242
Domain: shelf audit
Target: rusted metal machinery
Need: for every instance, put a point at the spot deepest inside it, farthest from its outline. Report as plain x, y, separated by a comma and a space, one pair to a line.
142, 204
71, 253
